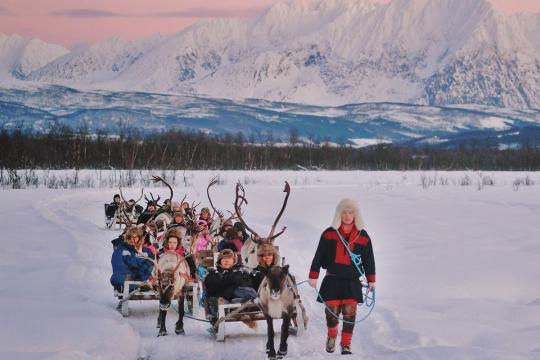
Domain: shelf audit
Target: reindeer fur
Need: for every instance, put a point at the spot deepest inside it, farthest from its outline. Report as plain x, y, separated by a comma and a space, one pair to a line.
173, 272
276, 300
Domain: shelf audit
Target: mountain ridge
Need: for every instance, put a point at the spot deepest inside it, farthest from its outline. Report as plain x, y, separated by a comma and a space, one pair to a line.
328, 52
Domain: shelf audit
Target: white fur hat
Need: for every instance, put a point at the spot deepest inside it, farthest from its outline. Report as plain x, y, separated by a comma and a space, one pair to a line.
348, 204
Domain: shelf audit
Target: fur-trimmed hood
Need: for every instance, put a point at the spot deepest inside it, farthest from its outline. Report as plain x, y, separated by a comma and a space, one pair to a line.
345, 204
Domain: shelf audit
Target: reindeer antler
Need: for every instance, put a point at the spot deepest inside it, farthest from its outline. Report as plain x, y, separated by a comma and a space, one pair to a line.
149, 258
136, 201
127, 221
122, 195
155, 201
193, 206
157, 179
240, 196
286, 190
182, 259
213, 182
183, 199
140, 197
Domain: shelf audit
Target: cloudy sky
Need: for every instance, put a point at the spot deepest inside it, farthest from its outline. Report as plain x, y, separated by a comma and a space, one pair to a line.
69, 22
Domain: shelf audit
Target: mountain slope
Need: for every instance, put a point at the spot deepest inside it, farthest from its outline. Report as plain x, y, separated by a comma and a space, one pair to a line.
330, 52
20, 56
42, 109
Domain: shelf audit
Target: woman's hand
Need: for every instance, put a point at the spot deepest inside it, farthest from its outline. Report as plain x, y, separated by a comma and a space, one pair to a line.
371, 286
312, 283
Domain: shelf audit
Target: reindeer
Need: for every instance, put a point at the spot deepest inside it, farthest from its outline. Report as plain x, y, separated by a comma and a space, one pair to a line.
164, 215
249, 250
172, 274
127, 208
277, 293
217, 225
277, 300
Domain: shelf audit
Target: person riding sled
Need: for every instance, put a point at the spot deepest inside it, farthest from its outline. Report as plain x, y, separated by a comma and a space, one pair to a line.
111, 209
130, 260
229, 281
341, 288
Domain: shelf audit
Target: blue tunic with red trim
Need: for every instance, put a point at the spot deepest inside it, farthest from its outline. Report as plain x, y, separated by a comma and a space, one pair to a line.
342, 277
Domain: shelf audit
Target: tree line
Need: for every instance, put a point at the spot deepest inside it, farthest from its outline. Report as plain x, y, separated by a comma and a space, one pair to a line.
77, 149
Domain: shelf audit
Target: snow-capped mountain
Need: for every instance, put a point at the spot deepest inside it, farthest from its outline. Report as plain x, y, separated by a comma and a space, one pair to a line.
330, 52
20, 56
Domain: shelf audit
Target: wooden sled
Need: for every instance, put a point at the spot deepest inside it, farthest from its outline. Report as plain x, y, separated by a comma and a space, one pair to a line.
250, 312
191, 291
235, 312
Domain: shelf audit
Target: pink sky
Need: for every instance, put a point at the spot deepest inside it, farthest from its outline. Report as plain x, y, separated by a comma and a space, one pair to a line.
69, 22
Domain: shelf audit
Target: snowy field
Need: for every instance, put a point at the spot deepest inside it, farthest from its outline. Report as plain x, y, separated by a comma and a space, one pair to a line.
457, 259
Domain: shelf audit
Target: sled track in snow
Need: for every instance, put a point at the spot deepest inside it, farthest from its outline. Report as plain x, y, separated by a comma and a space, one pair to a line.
426, 307
70, 213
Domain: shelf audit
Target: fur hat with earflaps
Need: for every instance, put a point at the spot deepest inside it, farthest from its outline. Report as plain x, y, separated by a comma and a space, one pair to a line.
226, 253
133, 230
348, 204
267, 248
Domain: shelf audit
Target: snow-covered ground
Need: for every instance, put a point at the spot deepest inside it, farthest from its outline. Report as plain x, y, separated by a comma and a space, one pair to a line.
457, 269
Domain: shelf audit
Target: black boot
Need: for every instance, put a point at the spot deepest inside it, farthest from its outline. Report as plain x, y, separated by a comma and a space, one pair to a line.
346, 350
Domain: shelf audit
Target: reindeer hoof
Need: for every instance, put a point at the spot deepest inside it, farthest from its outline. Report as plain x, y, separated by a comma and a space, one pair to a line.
272, 355
282, 351
179, 329
162, 333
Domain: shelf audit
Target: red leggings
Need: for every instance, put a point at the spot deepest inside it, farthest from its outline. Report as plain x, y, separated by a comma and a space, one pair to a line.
347, 308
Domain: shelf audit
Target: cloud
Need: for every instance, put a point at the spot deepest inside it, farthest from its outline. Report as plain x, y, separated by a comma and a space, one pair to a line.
187, 13
212, 13
86, 13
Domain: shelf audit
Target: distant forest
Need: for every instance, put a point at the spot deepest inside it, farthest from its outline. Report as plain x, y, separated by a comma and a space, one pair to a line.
65, 148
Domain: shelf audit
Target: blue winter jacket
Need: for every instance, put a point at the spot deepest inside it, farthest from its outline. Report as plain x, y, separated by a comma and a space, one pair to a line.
125, 260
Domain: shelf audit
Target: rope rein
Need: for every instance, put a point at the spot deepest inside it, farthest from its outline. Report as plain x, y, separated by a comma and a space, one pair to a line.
357, 261
369, 300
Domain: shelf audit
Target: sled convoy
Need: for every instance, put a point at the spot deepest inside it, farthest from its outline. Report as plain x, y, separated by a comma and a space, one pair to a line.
217, 267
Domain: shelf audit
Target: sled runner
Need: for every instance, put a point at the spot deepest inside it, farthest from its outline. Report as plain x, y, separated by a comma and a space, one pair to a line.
249, 313
192, 295
111, 222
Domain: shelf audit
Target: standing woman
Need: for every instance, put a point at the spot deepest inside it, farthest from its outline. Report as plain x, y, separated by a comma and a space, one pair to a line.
341, 289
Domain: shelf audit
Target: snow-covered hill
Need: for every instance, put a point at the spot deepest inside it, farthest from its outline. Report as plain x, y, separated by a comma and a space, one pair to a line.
39, 108
20, 56
330, 52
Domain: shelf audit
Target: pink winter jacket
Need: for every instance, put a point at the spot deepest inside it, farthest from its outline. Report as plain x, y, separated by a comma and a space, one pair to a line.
203, 241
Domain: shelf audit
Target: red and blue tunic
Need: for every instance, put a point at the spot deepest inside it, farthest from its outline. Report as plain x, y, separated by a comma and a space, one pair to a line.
342, 281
